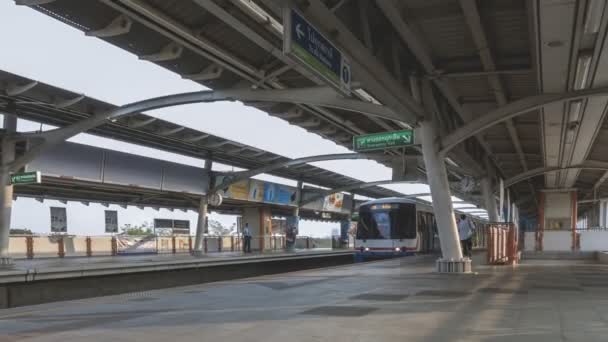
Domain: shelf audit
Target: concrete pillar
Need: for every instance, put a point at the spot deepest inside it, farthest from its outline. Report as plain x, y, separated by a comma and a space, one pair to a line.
259, 221
6, 190
487, 191
344, 227
440, 192
201, 223
293, 223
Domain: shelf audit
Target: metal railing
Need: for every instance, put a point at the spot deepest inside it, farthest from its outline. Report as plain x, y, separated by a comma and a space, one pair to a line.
479, 236
502, 244
44, 246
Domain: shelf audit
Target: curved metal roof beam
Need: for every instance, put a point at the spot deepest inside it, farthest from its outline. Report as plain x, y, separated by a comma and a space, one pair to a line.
241, 175
509, 111
358, 186
318, 96
588, 165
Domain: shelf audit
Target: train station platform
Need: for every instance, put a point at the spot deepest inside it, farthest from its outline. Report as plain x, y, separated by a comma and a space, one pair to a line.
133, 260
46, 280
394, 300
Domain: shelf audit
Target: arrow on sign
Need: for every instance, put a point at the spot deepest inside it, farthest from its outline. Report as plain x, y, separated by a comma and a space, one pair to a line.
299, 31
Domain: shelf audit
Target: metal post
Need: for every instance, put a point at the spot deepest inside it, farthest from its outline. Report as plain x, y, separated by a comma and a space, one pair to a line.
114, 246
89, 249
60, 247
29, 244
202, 211
6, 190
440, 192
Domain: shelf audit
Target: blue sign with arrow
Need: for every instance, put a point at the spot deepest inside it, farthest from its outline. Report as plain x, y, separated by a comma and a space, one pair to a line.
307, 45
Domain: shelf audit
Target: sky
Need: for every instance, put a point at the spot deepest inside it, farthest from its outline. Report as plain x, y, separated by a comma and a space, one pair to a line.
44, 49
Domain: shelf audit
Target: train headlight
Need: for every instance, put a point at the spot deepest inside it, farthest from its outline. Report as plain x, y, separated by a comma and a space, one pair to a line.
367, 249
397, 249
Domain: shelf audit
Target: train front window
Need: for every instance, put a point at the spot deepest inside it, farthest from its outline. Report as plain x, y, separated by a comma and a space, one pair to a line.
374, 225
389, 221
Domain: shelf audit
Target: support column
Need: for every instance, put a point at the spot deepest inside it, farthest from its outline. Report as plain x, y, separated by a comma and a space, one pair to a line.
6, 190
437, 176
201, 223
440, 192
344, 227
487, 191
293, 222
259, 221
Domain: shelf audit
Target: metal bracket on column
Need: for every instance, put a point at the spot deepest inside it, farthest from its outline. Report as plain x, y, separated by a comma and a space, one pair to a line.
68, 102
168, 132
15, 89
169, 52
196, 138
210, 72
140, 123
292, 113
119, 26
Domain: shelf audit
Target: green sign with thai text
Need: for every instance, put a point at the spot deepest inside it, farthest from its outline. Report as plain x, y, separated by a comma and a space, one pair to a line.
26, 177
380, 141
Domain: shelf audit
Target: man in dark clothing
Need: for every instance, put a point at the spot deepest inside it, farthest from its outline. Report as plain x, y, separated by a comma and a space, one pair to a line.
465, 230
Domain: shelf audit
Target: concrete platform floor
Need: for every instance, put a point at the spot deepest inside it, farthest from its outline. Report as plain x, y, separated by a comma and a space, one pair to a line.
394, 300
122, 260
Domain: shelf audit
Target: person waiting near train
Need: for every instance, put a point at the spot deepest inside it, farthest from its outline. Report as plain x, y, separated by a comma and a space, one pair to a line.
246, 239
465, 231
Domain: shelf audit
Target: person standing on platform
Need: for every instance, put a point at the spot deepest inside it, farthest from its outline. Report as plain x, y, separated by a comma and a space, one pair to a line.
465, 231
246, 239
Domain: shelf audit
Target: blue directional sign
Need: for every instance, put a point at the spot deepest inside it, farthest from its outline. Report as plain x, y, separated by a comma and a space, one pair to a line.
307, 45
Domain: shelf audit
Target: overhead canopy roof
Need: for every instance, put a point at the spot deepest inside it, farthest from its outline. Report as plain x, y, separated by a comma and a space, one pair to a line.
479, 55
43, 103
62, 189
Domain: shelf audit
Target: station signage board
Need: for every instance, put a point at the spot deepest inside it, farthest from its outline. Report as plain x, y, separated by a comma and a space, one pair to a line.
174, 226
111, 221
305, 43
59, 220
384, 140
26, 178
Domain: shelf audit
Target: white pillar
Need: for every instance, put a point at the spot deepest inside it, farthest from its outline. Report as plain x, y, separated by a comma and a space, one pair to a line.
293, 223
201, 223
296, 210
487, 192
437, 177
6, 190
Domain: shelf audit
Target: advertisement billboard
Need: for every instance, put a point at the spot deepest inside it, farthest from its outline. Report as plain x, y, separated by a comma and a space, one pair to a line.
333, 202
256, 190
259, 191
239, 190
